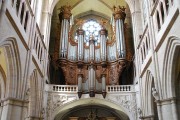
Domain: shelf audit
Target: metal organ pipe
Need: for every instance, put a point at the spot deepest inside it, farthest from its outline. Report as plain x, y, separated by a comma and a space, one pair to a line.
80, 44
91, 49
119, 16
103, 35
64, 17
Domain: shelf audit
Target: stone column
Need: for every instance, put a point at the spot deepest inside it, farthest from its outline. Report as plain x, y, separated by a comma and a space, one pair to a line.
119, 16
1, 108
159, 110
64, 17
13, 109
168, 109
174, 109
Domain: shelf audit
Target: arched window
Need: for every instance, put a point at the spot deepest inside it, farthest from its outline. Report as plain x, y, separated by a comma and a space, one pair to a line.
158, 21
26, 20
167, 5
17, 5
162, 12
144, 50
22, 12
147, 46
142, 55
91, 28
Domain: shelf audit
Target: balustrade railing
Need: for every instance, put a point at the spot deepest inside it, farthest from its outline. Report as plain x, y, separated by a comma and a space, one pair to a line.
144, 45
119, 88
23, 12
64, 88
74, 88
38, 45
160, 12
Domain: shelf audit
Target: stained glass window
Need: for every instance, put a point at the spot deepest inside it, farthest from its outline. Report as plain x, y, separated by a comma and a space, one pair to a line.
91, 28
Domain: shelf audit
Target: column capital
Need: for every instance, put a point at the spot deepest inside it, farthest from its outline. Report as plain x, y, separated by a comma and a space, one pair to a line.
80, 32
103, 32
65, 11
119, 12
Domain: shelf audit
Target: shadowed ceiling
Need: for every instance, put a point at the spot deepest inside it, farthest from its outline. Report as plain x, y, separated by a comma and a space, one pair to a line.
100, 6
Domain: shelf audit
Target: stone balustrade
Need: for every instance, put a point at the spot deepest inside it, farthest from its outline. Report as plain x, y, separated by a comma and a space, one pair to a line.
119, 88
160, 11
74, 88
23, 12
63, 88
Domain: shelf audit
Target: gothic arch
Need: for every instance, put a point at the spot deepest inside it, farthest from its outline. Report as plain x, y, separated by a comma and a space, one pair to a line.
149, 108
108, 103
169, 64
34, 95
2, 84
14, 80
133, 5
148, 93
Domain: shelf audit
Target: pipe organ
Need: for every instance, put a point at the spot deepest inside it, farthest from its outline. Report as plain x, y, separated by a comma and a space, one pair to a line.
86, 62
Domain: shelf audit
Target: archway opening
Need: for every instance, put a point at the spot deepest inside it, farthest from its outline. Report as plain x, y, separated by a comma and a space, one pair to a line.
91, 108
176, 77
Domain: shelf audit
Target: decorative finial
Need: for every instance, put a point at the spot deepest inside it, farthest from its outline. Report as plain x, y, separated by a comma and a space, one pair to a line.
119, 12
80, 22
65, 11
103, 22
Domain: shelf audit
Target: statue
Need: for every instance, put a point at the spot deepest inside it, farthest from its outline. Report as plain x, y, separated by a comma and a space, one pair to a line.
155, 93
139, 112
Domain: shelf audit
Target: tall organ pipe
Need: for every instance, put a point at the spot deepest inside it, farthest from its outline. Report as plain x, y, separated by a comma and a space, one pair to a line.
91, 49
64, 17
80, 33
103, 35
119, 16
91, 68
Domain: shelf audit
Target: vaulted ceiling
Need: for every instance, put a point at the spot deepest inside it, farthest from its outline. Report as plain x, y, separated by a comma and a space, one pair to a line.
100, 6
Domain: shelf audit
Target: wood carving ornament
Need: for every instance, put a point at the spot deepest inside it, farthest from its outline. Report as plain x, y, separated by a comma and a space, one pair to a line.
113, 79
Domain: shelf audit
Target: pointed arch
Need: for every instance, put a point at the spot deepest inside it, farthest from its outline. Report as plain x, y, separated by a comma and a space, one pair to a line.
14, 79
35, 95
169, 64
149, 106
2, 83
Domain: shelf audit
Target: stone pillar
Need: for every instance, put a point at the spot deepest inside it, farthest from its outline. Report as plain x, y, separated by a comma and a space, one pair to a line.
174, 109
159, 110
119, 16
1, 108
64, 17
13, 109
168, 109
